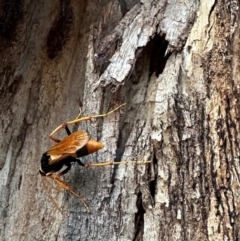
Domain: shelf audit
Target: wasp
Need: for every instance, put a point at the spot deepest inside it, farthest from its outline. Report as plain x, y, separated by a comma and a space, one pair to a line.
68, 150
58, 160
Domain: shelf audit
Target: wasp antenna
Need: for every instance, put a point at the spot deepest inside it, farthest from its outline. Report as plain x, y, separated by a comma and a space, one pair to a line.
80, 198
44, 180
67, 188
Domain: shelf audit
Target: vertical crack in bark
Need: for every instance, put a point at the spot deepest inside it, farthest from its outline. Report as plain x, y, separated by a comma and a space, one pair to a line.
139, 219
7, 94
203, 180
153, 182
221, 172
20, 182
18, 145
192, 188
10, 86
118, 157
11, 16
229, 195
178, 194
232, 127
60, 31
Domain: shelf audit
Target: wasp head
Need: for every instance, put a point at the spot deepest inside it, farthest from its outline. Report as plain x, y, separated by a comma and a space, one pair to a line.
44, 163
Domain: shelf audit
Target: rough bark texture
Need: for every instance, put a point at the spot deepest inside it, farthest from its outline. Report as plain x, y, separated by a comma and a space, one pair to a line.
175, 64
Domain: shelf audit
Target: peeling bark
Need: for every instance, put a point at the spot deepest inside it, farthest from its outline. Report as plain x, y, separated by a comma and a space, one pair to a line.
175, 64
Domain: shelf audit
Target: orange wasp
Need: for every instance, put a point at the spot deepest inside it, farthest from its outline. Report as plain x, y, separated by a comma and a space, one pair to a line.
67, 151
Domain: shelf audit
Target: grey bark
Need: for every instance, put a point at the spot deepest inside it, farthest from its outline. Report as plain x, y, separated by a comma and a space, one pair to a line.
175, 64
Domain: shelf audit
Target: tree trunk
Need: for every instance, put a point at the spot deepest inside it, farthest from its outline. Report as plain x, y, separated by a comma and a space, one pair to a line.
176, 66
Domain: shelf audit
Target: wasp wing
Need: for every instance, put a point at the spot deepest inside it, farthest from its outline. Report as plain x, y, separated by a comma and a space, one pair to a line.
68, 146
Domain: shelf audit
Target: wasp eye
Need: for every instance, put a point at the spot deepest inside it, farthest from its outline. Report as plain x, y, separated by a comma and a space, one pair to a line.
45, 159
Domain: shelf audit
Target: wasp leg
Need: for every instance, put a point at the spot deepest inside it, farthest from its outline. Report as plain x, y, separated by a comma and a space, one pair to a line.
54, 139
95, 116
65, 170
80, 113
87, 118
69, 189
67, 130
80, 108
80, 163
116, 163
64, 125
44, 179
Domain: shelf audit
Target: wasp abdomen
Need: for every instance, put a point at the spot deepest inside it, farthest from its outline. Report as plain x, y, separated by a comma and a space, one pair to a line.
91, 147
